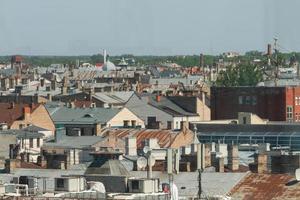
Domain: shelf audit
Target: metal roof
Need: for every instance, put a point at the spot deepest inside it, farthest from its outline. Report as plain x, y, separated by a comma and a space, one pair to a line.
75, 142
282, 134
266, 186
64, 115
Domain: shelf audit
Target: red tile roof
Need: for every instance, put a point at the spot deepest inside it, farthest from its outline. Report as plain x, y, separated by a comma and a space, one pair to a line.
266, 186
12, 112
81, 104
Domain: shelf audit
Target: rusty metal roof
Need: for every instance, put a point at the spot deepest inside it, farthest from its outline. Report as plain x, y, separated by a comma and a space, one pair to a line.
266, 186
165, 138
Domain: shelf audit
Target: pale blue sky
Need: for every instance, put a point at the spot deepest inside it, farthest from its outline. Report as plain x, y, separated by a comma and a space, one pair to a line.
144, 27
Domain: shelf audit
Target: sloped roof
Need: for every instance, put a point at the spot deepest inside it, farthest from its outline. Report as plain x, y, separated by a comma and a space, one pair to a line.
114, 97
266, 186
75, 142
108, 167
83, 115
10, 113
34, 128
22, 133
165, 138
168, 106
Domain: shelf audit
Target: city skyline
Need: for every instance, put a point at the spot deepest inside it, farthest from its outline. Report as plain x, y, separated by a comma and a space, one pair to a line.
145, 28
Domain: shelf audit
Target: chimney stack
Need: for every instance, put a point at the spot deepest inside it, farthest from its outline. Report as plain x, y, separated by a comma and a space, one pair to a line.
269, 51
27, 112
202, 61
158, 97
42, 82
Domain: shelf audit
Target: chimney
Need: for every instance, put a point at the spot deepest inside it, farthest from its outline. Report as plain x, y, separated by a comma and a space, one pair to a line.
49, 97
27, 112
130, 146
158, 98
53, 84
42, 82
71, 105
98, 129
269, 50
184, 126
201, 60
64, 90
12, 105
233, 157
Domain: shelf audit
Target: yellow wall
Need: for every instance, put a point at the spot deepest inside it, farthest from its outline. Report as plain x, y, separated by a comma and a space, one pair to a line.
125, 114
39, 117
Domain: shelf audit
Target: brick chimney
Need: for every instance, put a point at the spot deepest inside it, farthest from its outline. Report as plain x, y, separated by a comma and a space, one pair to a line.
27, 112
158, 98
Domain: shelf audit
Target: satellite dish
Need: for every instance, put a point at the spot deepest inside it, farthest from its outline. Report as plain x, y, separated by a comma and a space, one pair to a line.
297, 173
146, 149
152, 161
141, 162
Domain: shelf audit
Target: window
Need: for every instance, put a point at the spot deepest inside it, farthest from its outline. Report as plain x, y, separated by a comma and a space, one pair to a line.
289, 113
133, 123
297, 101
38, 142
254, 100
177, 125
135, 185
248, 100
169, 125
60, 183
244, 120
126, 123
241, 100
31, 143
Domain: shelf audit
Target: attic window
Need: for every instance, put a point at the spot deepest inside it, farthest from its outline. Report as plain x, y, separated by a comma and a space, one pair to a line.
88, 116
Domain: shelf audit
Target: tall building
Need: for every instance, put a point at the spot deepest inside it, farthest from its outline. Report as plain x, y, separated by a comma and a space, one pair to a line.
273, 103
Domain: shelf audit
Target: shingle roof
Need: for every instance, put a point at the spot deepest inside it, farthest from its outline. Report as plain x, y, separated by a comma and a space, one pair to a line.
83, 115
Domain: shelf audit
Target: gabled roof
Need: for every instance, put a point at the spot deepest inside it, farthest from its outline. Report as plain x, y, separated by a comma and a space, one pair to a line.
64, 115
168, 106
12, 112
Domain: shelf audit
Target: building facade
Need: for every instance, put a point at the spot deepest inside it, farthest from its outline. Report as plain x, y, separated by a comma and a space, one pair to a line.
272, 103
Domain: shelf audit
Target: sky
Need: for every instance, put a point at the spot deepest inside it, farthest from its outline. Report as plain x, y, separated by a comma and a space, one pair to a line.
146, 27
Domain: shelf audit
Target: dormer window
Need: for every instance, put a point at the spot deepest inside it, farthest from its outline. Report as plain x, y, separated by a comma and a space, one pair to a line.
88, 116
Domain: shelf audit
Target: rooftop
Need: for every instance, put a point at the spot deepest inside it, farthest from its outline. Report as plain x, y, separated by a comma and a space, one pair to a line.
266, 186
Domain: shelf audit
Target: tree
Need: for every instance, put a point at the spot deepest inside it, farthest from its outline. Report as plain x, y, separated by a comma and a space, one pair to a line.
240, 75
